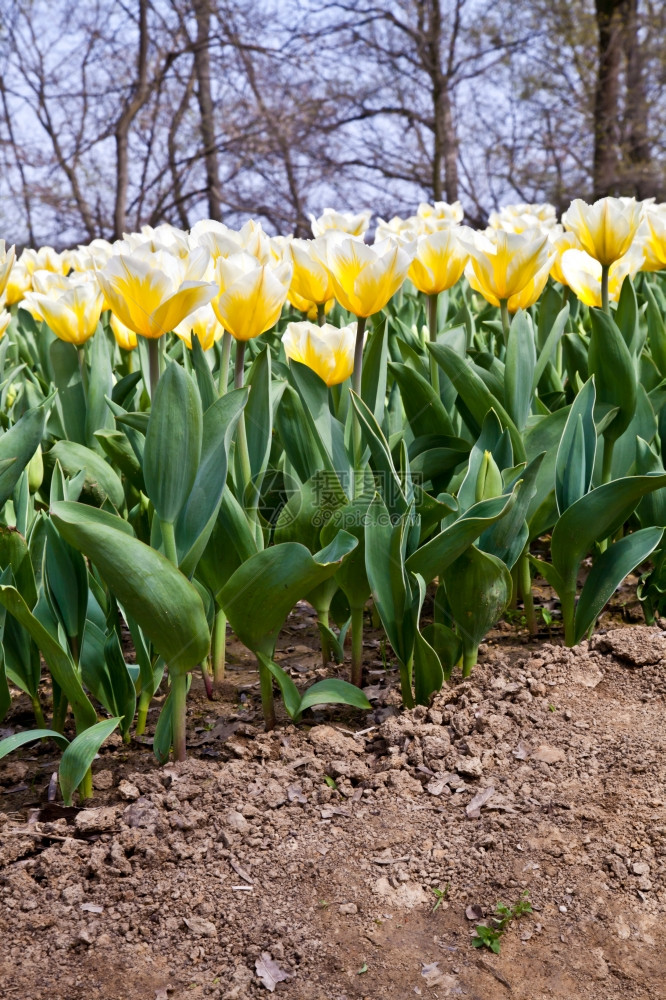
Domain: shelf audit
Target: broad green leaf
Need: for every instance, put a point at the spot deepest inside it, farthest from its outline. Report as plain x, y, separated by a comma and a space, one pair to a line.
100, 385
100, 482
506, 538
475, 395
163, 737
117, 447
478, 587
520, 366
173, 442
162, 601
609, 570
302, 447
428, 672
308, 510
59, 661
11, 743
290, 693
385, 544
17, 446
67, 583
332, 691
433, 558
263, 590
197, 517
423, 408
204, 376
230, 544
651, 510
574, 464
446, 644
656, 332
550, 343
381, 456
373, 377
594, 517
615, 375
80, 754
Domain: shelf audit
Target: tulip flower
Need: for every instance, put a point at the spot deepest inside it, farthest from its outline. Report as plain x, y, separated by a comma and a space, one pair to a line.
17, 283
7, 258
439, 261
511, 273
311, 282
364, 277
73, 313
5, 320
583, 274
251, 295
204, 323
561, 242
605, 230
343, 222
221, 241
327, 350
151, 292
441, 215
126, 339
399, 229
652, 237
524, 217
44, 259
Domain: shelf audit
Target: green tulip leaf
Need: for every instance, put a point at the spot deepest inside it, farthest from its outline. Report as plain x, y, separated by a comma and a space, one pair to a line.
615, 375
58, 660
520, 366
609, 570
163, 602
173, 442
333, 691
432, 558
574, 463
101, 481
80, 754
11, 743
260, 594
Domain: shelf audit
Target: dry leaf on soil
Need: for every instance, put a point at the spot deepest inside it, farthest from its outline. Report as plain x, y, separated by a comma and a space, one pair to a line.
473, 808
269, 971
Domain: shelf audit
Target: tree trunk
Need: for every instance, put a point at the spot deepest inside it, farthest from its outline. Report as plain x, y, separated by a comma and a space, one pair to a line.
202, 12
638, 168
129, 112
606, 102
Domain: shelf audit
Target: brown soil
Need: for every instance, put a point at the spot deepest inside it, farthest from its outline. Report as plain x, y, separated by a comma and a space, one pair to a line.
195, 880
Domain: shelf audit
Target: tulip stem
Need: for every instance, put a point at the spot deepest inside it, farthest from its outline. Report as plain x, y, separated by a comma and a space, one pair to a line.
506, 322
607, 464
169, 541
83, 368
219, 647
525, 578
179, 700
154, 362
321, 313
605, 305
241, 433
223, 381
357, 646
356, 386
267, 700
432, 331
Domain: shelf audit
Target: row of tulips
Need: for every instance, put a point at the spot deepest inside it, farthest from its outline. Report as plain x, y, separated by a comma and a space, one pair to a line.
420, 413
